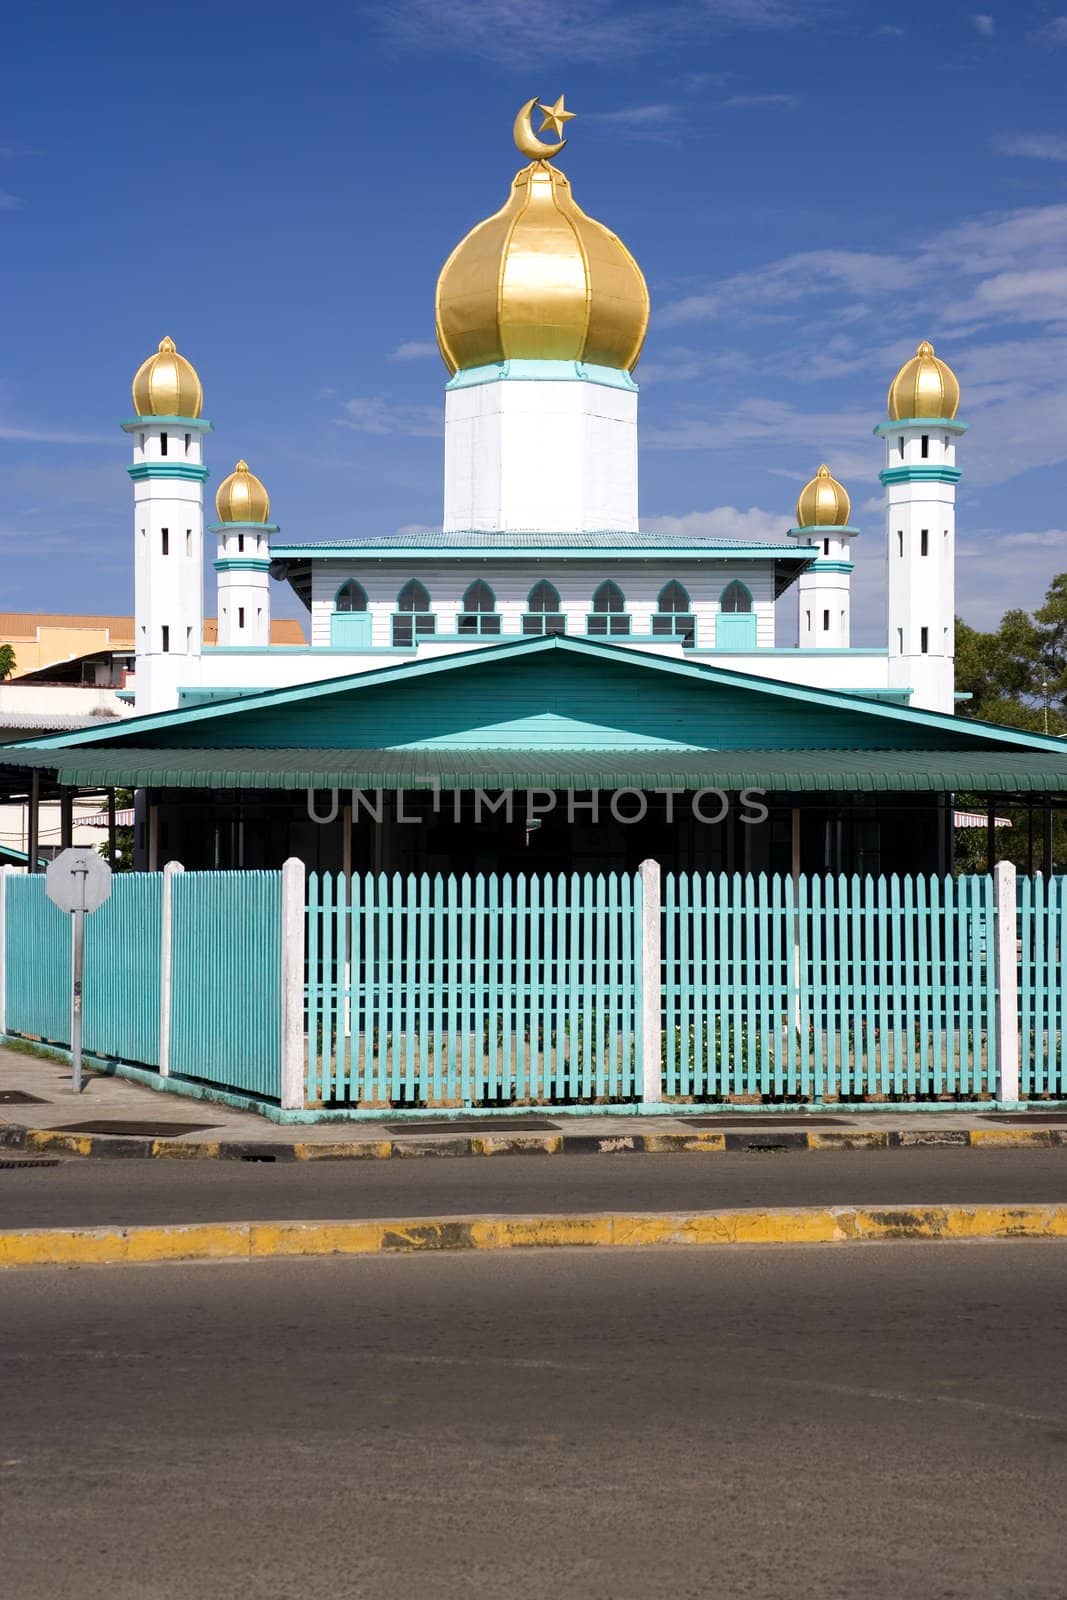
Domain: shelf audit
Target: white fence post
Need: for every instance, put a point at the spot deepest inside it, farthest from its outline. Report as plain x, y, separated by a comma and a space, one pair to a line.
294, 918
5, 873
166, 965
1007, 969
651, 985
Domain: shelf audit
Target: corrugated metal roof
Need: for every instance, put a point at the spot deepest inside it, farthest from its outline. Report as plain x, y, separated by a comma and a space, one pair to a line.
808, 771
54, 721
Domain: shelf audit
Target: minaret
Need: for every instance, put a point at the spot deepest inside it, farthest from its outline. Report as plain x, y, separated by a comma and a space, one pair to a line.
243, 560
541, 313
920, 476
168, 491
823, 510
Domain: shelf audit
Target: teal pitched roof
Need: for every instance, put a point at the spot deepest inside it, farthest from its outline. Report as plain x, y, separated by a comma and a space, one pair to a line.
553, 709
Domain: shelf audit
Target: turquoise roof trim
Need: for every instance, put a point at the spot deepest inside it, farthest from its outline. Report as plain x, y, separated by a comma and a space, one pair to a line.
243, 527
825, 565
339, 550
168, 469
932, 424
242, 564
963, 731
193, 424
919, 473
543, 372
834, 530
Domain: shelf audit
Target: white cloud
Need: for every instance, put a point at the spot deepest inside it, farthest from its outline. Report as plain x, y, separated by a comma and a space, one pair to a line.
724, 522
9, 202
414, 350
985, 24
1032, 146
757, 102
1054, 32
652, 124
53, 436
376, 415
507, 31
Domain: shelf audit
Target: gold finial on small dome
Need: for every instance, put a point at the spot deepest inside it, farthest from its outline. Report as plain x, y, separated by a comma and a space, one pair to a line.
167, 385
823, 503
242, 498
925, 388
540, 280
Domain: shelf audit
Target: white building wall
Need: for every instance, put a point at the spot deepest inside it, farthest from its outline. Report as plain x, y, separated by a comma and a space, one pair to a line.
553, 455
921, 561
511, 582
168, 567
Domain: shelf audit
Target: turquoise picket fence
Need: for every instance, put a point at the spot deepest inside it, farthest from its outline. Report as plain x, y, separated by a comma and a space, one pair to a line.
473, 991
37, 962
1042, 909
120, 1017
828, 987
226, 979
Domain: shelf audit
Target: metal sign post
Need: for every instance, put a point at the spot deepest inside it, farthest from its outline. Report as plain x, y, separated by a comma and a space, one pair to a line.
77, 881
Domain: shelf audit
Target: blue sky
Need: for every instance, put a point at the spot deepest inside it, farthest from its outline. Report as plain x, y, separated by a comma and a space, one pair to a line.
811, 186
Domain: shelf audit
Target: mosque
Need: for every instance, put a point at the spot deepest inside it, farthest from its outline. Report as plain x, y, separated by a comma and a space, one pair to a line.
539, 640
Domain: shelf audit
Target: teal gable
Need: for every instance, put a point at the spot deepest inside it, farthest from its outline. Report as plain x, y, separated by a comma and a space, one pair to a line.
550, 695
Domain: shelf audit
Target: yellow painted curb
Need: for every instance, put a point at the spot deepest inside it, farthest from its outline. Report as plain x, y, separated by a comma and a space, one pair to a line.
198, 1241
993, 1138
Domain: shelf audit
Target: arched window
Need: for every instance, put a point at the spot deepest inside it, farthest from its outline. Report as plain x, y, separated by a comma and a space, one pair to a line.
413, 616
543, 614
608, 615
735, 597
479, 614
351, 596
674, 618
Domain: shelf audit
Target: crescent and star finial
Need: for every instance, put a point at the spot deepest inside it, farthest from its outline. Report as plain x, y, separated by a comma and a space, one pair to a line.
556, 117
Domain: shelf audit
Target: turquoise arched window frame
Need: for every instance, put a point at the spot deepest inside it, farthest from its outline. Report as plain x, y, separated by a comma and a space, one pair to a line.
413, 618
479, 614
673, 618
735, 625
350, 620
543, 614
609, 616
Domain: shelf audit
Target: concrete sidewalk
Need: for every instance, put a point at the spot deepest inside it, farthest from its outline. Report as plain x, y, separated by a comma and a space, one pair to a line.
114, 1117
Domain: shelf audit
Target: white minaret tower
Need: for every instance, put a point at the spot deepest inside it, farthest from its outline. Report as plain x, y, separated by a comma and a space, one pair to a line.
824, 588
243, 561
541, 314
168, 491
920, 476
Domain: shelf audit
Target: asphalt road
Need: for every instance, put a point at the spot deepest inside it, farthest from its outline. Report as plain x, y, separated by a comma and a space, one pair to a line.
91, 1193
864, 1422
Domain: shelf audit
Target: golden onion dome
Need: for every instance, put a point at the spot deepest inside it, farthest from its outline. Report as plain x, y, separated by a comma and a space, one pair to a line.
541, 281
823, 503
166, 385
242, 498
924, 387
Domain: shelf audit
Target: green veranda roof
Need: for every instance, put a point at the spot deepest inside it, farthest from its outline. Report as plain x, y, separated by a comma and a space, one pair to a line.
804, 771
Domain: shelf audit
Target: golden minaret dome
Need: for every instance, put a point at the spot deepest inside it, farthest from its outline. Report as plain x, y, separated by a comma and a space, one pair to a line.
925, 387
242, 498
540, 280
166, 385
823, 503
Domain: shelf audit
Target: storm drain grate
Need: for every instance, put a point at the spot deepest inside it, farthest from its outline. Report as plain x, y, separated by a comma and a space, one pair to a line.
479, 1125
143, 1130
19, 1097
29, 1161
777, 1120
1044, 1118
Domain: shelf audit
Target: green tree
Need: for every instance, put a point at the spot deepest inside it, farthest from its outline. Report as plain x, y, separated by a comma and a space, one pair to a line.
123, 836
1016, 675
7, 660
